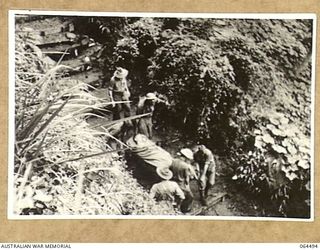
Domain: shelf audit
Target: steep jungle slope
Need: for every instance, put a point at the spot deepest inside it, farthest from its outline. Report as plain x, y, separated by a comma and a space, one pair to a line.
63, 165
240, 86
243, 87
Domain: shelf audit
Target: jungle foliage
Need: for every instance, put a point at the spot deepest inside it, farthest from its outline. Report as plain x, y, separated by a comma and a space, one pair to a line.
243, 87
62, 164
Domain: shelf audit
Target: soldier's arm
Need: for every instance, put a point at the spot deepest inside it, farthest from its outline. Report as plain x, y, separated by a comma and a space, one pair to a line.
126, 88
209, 160
179, 192
193, 173
203, 172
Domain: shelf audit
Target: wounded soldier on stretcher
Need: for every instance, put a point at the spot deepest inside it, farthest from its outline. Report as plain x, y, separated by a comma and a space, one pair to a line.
149, 151
152, 160
147, 157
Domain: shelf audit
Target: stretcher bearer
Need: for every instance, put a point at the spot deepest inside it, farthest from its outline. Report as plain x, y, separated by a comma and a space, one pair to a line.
183, 172
119, 91
146, 105
206, 166
167, 190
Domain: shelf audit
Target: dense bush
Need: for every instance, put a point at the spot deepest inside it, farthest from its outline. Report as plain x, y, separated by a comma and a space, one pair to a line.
191, 72
280, 112
133, 51
228, 80
277, 171
62, 164
198, 81
243, 87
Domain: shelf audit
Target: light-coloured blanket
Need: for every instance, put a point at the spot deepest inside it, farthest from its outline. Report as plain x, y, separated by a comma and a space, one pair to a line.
149, 151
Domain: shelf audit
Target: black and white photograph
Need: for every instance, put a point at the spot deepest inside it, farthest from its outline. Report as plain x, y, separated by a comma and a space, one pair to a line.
161, 115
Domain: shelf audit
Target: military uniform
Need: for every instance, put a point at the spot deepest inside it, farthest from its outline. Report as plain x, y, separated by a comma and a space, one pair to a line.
167, 191
119, 91
145, 125
182, 173
207, 170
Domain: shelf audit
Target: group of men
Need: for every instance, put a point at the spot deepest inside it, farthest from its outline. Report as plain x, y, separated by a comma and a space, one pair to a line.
189, 164
119, 95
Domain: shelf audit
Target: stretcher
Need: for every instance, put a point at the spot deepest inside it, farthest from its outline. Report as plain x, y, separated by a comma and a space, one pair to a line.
146, 157
149, 152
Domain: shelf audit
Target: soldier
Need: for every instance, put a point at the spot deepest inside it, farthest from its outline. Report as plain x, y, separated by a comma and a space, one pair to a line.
183, 172
206, 166
146, 105
119, 91
166, 190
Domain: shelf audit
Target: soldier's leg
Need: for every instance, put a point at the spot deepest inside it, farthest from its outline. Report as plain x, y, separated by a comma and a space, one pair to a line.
202, 187
117, 108
149, 127
142, 127
126, 108
211, 178
186, 204
116, 112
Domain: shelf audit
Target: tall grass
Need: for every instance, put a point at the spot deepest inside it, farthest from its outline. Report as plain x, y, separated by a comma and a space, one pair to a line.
63, 165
